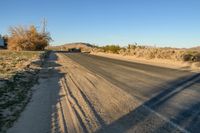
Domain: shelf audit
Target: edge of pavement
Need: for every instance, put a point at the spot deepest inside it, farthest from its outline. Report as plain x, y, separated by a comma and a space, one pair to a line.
193, 67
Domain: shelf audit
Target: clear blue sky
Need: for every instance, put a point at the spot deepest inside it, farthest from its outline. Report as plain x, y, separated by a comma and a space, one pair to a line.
173, 23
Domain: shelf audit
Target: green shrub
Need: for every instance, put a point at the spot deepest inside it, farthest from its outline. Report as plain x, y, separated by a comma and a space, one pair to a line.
111, 48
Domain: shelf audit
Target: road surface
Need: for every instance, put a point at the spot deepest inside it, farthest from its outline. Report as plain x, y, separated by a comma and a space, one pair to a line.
172, 94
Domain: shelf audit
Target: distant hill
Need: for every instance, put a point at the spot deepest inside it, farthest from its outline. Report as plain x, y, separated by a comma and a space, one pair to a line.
86, 47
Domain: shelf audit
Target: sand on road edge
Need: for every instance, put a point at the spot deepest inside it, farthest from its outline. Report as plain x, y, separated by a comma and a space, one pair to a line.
69, 98
195, 67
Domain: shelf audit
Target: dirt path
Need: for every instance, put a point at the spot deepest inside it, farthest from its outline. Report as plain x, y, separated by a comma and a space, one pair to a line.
70, 98
38, 114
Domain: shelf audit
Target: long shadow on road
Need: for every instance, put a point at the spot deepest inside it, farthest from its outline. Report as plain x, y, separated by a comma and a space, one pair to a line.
180, 116
168, 106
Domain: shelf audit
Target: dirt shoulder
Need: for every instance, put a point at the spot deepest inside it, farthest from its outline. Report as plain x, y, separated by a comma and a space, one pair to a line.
156, 62
94, 101
70, 98
98, 106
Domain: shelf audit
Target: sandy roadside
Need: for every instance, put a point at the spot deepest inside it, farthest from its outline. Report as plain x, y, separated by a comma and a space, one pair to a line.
70, 98
94, 101
100, 106
156, 62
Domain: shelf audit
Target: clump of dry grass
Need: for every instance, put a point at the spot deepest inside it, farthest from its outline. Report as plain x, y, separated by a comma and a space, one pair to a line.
22, 38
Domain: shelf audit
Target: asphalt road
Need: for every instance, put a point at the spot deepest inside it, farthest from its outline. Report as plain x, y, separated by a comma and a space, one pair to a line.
172, 94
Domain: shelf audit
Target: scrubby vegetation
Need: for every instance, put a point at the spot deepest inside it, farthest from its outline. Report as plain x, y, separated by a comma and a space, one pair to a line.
111, 48
149, 52
13, 61
18, 73
22, 38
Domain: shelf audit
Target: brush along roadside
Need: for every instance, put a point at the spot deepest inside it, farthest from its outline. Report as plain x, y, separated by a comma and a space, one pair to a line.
19, 72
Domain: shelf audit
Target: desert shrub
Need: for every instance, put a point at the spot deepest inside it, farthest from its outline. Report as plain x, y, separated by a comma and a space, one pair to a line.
22, 38
191, 56
150, 52
187, 57
111, 48
132, 46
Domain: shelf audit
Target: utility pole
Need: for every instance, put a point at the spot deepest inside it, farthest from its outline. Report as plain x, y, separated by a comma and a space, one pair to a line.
44, 24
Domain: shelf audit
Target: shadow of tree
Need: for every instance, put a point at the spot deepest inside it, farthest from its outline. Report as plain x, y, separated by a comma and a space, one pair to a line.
51, 74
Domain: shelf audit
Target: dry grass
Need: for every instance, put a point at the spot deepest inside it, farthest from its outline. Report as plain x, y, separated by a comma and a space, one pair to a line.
12, 61
18, 74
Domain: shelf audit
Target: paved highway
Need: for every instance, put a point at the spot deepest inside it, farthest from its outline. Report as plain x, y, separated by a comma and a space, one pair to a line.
170, 93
